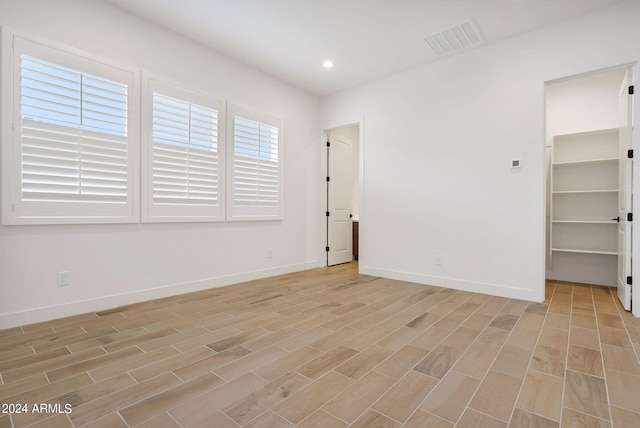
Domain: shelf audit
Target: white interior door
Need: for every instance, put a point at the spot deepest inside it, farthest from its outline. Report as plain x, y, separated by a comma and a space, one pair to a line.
339, 229
625, 173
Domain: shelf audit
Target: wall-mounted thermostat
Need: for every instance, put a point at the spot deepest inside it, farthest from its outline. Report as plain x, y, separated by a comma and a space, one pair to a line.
515, 163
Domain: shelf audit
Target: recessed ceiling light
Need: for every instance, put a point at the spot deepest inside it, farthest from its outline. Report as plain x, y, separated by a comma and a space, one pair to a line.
327, 64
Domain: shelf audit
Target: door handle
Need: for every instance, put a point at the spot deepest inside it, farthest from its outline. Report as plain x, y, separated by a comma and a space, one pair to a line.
616, 219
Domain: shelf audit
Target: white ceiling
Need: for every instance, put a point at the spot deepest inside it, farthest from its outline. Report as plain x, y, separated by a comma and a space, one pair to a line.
366, 39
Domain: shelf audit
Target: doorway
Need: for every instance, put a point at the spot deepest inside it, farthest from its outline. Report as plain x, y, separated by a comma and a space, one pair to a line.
342, 207
588, 180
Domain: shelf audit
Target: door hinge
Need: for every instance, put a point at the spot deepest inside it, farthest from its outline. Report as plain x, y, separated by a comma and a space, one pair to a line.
629, 280
631, 90
326, 248
629, 216
630, 153
327, 179
328, 144
328, 213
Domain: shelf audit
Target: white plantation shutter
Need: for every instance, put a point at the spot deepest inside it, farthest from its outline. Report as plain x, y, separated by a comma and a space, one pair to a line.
74, 135
184, 156
72, 153
255, 167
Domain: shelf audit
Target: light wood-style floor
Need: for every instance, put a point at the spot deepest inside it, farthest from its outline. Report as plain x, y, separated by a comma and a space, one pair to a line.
331, 348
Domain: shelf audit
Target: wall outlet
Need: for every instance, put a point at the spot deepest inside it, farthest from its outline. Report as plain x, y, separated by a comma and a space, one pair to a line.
63, 278
269, 253
438, 260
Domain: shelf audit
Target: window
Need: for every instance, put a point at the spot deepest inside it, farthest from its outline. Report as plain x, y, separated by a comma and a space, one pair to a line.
72, 144
183, 156
73, 147
255, 168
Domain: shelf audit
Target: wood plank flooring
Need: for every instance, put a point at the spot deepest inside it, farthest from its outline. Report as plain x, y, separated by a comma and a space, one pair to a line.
330, 348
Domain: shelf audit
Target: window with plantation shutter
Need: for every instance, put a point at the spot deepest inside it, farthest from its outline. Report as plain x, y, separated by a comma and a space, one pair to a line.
255, 168
184, 155
72, 152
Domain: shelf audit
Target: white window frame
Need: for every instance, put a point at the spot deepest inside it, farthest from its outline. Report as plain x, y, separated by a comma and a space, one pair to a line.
191, 210
15, 210
247, 211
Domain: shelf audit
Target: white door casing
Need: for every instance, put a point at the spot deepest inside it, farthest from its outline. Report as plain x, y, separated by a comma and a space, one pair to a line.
339, 185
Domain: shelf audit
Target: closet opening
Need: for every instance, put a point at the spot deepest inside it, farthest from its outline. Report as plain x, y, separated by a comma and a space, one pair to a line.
588, 135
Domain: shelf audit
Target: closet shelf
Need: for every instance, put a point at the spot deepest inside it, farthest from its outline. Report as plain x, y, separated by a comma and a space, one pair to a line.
583, 200
573, 250
610, 222
564, 192
586, 161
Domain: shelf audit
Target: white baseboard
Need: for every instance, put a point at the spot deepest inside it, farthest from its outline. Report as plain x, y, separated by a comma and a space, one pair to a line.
604, 281
48, 313
460, 284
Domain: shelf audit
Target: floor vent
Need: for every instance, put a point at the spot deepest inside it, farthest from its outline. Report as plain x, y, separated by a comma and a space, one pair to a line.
454, 38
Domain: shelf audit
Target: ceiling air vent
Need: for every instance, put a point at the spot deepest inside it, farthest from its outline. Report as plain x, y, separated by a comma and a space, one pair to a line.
454, 38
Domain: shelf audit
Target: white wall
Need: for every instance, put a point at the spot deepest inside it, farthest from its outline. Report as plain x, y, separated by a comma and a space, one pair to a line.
584, 103
111, 265
438, 143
